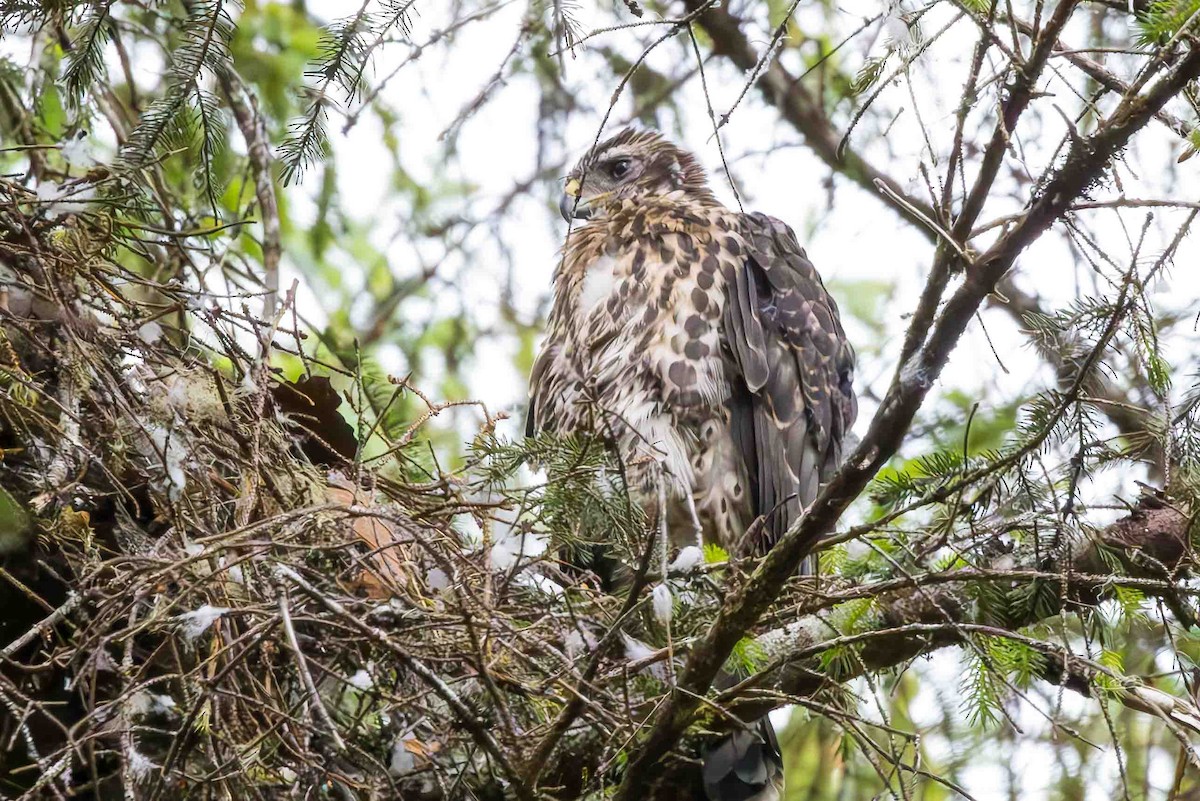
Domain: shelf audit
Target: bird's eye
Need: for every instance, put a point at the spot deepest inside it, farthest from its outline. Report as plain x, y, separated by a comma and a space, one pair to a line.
620, 168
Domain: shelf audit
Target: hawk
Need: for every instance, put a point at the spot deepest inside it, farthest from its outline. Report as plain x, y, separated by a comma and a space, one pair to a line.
701, 343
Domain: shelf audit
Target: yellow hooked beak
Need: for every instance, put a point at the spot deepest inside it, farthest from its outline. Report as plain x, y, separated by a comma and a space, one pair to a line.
569, 205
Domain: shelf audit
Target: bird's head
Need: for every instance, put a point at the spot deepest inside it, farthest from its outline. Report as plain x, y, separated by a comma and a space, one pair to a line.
631, 165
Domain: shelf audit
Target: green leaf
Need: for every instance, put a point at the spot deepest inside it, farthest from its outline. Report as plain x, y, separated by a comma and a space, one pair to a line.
51, 114
1164, 19
983, 695
1107, 684
1158, 374
854, 617
748, 657
1130, 600
14, 524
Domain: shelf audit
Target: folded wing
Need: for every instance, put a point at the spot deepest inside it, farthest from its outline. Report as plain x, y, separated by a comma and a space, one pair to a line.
791, 371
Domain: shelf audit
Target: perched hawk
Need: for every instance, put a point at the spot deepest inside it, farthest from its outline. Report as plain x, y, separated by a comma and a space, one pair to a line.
701, 343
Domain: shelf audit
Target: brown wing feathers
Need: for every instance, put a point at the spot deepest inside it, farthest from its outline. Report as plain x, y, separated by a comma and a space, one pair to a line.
787, 345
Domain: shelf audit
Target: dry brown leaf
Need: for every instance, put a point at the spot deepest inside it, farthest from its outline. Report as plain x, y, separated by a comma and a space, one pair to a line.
390, 566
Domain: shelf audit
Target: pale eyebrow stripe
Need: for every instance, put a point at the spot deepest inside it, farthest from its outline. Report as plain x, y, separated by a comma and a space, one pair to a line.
616, 152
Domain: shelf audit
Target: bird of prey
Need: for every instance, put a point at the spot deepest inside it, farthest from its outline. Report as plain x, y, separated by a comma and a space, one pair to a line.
701, 343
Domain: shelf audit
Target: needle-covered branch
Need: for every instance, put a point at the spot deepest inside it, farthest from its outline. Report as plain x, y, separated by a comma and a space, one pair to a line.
1085, 163
1148, 550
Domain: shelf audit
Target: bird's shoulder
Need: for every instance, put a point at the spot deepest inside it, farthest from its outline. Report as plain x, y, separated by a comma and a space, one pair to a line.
794, 297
